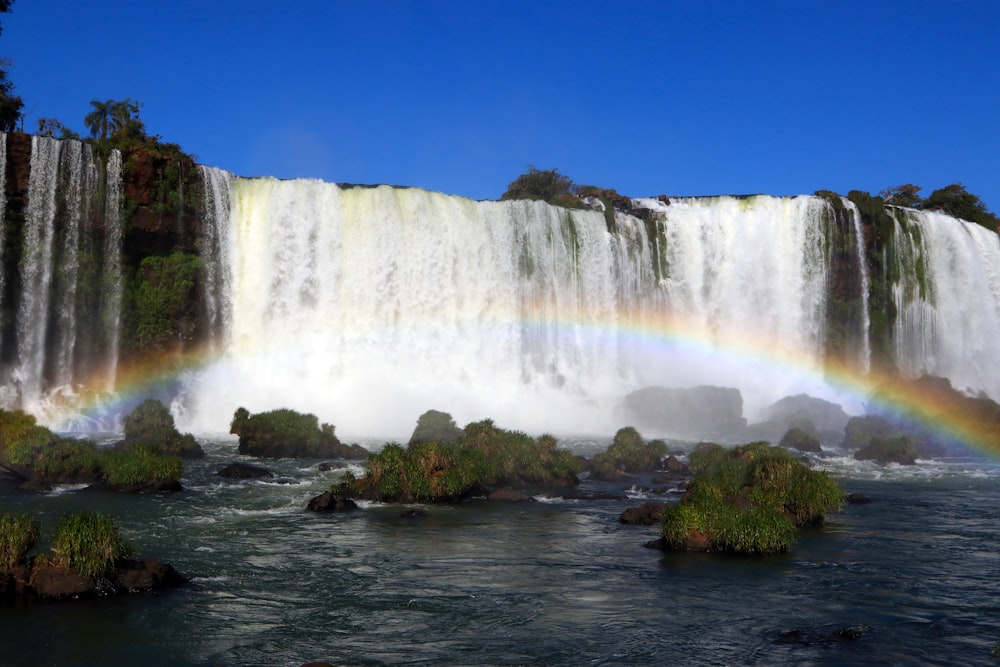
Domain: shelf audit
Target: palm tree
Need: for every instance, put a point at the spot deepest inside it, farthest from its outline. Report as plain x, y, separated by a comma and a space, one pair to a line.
101, 122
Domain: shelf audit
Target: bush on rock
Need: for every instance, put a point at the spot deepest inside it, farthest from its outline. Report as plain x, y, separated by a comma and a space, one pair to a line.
747, 500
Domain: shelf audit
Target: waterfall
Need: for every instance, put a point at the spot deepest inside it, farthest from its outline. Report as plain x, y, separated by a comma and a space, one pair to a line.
947, 297
368, 306
214, 247
865, 352
76, 185
36, 270
112, 269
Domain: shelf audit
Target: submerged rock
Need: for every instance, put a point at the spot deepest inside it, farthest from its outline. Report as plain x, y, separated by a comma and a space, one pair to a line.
331, 502
646, 514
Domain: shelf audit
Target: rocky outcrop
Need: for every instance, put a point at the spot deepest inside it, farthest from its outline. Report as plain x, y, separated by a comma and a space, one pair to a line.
893, 449
800, 439
646, 514
329, 501
44, 580
244, 471
686, 411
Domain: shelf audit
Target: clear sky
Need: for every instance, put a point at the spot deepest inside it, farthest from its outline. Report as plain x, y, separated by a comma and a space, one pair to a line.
681, 98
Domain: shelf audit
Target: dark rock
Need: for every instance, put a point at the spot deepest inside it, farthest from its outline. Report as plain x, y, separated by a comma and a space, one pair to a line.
659, 543
148, 574
857, 499
646, 514
331, 502
413, 513
51, 581
154, 486
688, 411
509, 495
674, 471
892, 449
244, 471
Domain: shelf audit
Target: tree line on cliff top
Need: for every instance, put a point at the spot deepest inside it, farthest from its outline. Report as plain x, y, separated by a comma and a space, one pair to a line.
556, 188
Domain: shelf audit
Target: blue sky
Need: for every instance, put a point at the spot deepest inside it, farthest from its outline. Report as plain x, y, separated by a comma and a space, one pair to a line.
689, 98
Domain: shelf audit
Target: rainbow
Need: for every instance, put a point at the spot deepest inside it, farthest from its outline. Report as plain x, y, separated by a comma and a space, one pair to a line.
923, 404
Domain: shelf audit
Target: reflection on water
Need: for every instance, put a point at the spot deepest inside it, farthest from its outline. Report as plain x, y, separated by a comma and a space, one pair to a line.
909, 578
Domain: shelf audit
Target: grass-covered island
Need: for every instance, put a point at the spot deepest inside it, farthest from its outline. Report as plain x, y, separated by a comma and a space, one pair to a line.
287, 433
749, 499
486, 460
88, 557
37, 458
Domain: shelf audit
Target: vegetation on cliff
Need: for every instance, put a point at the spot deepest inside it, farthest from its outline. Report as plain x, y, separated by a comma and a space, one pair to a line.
747, 500
161, 302
484, 458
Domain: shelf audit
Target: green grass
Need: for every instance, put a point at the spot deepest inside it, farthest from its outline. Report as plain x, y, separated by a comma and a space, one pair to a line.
140, 465
18, 533
89, 543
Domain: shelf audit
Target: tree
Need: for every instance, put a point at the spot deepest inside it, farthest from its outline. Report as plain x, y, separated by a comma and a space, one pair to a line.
903, 195
51, 127
955, 200
10, 104
115, 118
541, 184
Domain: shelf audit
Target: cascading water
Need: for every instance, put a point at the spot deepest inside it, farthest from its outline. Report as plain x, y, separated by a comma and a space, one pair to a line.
865, 352
214, 247
368, 306
947, 298
112, 271
36, 270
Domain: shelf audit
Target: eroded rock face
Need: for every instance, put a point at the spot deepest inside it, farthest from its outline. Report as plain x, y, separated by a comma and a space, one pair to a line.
687, 411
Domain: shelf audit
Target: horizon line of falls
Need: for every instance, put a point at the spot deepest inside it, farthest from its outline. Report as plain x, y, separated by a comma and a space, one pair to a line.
369, 305
61, 274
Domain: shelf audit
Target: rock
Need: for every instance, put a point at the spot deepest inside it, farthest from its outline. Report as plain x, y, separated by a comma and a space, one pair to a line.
51, 581
687, 411
857, 499
893, 449
797, 438
244, 471
860, 431
826, 417
154, 486
331, 502
509, 495
413, 513
646, 514
148, 574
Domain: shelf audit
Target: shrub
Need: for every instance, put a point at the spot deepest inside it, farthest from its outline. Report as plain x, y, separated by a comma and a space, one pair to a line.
152, 424
629, 453
284, 432
544, 184
748, 500
161, 295
436, 426
90, 543
485, 456
18, 533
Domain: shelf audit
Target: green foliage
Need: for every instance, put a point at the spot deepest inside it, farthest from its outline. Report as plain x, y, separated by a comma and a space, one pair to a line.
748, 500
436, 426
18, 533
800, 439
283, 432
153, 425
141, 465
544, 184
629, 453
90, 543
485, 456
903, 195
11, 105
162, 293
115, 118
956, 201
